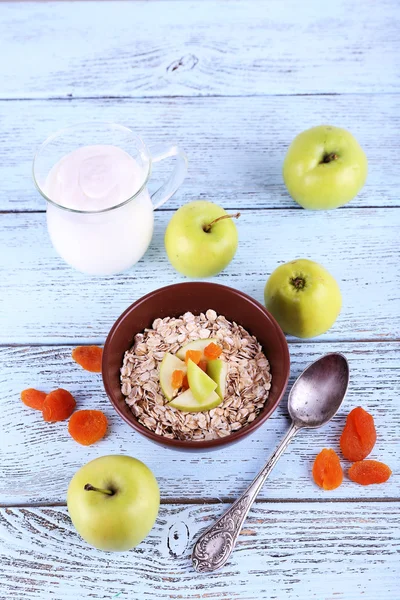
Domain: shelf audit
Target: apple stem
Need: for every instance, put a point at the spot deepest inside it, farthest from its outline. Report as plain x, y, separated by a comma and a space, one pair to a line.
327, 158
207, 228
90, 488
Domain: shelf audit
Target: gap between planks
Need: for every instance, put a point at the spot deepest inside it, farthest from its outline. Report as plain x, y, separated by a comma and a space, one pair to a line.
68, 96
222, 500
243, 209
99, 342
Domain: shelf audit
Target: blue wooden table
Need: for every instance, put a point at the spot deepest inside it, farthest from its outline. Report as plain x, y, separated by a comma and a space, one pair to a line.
232, 82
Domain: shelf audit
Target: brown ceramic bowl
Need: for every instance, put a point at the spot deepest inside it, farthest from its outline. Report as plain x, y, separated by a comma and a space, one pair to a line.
197, 297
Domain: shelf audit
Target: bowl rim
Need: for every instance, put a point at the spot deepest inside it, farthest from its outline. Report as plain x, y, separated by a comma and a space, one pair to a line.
201, 444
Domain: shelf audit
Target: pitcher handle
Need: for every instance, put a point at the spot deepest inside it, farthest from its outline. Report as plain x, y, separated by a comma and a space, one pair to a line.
177, 176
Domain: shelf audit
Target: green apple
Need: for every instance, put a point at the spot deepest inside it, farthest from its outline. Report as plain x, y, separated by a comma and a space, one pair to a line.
113, 502
195, 345
303, 297
218, 370
325, 167
201, 239
169, 364
188, 403
200, 384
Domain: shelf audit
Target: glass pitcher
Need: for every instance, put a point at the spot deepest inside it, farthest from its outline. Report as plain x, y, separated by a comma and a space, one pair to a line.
112, 239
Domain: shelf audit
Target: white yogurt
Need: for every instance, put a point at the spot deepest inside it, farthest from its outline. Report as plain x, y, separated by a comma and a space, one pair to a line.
97, 178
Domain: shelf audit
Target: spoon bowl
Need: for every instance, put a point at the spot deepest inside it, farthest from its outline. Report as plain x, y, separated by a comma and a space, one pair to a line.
319, 391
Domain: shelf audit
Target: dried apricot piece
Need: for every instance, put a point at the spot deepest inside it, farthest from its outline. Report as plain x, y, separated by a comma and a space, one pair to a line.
88, 357
212, 351
359, 435
58, 405
33, 398
177, 379
203, 365
87, 426
366, 472
327, 471
194, 355
185, 383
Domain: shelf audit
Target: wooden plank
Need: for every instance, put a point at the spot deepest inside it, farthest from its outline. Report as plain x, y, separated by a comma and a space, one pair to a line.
235, 146
45, 300
34, 453
196, 48
333, 551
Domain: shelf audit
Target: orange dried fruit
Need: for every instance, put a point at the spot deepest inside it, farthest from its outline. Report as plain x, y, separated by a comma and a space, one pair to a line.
33, 398
177, 379
185, 383
87, 426
88, 357
58, 405
203, 365
212, 351
194, 355
366, 472
327, 471
359, 435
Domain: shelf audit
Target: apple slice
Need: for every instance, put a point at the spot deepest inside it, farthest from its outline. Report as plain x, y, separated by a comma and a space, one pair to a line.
200, 384
195, 345
188, 403
218, 370
169, 364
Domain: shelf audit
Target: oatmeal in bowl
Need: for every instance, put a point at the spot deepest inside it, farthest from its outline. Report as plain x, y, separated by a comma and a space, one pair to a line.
247, 377
195, 365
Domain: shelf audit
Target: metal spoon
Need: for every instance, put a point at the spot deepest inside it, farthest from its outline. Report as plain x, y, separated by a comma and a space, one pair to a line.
314, 399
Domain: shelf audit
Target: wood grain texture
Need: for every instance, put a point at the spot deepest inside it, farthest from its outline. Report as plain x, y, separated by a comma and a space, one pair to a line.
33, 451
245, 47
45, 300
333, 551
235, 146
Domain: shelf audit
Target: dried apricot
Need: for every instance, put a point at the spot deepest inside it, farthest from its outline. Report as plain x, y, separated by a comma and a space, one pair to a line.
58, 405
177, 379
203, 365
212, 351
87, 426
88, 357
359, 435
33, 398
366, 472
185, 383
327, 471
194, 355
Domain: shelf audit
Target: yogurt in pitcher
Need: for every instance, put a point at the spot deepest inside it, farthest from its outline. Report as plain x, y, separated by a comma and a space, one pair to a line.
87, 226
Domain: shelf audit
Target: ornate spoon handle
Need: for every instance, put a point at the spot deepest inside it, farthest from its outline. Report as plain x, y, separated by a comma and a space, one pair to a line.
216, 544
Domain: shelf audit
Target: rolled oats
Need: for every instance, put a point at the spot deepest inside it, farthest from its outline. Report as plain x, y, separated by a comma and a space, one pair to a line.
248, 379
